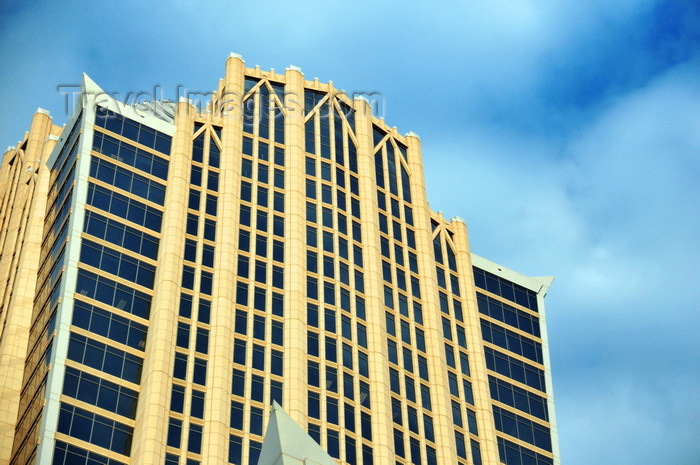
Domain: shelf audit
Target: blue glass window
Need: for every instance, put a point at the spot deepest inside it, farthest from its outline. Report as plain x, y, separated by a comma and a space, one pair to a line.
256, 421
68, 454
235, 449
194, 442
100, 393
130, 155
522, 428
197, 404
121, 235
117, 263
177, 398
509, 315
110, 325
105, 358
511, 341
505, 288
238, 383
200, 371
124, 207
127, 180
95, 429
518, 398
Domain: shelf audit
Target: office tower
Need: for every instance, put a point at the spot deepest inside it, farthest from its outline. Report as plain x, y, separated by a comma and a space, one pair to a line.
169, 271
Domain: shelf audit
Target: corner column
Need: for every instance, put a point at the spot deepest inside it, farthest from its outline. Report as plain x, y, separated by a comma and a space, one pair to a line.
150, 434
437, 369
477, 360
380, 386
295, 351
217, 405
18, 310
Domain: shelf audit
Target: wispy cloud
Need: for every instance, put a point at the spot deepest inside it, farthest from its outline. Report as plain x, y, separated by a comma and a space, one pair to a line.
611, 209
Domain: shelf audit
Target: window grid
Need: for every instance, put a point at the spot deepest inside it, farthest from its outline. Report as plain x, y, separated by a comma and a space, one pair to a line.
506, 289
338, 361
515, 369
514, 454
119, 314
517, 426
257, 370
514, 329
192, 340
132, 130
509, 315
456, 353
403, 305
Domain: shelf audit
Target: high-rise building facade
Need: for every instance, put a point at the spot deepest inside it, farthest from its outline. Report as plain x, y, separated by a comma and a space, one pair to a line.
168, 272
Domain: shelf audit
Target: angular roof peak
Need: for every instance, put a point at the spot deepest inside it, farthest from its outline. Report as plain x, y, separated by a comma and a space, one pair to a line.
286, 443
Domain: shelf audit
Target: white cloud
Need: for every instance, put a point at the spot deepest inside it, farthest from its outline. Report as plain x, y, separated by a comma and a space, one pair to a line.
613, 213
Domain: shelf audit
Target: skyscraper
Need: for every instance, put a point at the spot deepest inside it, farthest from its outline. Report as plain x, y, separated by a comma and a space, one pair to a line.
169, 271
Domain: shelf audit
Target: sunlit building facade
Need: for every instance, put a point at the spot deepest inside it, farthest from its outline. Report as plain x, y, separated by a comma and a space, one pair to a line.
169, 271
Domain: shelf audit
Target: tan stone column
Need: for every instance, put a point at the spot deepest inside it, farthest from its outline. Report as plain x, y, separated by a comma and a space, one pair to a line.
295, 352
437, 368
12, 209
5, 178
18, 310
151, 430
380, 388
217, 405
8, 190
477, 360
17, 193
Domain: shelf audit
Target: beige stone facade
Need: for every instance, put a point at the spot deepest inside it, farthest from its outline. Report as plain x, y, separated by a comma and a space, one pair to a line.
165, 278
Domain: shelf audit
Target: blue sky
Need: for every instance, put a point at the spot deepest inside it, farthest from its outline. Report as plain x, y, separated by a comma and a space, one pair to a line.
566, 133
